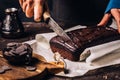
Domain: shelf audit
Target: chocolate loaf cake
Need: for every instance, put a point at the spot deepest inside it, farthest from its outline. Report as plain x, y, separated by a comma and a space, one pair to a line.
82, 38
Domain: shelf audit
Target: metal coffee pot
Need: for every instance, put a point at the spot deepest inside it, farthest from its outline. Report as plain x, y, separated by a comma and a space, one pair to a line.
11, 26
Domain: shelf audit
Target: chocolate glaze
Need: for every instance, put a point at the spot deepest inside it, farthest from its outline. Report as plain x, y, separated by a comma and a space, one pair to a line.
82, 39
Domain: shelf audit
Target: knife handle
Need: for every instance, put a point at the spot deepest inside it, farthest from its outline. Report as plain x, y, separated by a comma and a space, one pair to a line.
46, 16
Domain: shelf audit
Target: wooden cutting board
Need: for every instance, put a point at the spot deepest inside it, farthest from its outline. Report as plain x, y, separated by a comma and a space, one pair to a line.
20, 72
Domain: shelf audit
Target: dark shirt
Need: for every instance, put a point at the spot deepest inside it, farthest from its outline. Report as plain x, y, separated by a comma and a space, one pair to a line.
112, 4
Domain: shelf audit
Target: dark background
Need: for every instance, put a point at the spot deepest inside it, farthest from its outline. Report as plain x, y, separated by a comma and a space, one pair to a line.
65, 12
4, 4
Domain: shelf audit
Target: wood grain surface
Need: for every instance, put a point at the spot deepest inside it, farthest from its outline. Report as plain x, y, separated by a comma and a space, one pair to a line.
20, 72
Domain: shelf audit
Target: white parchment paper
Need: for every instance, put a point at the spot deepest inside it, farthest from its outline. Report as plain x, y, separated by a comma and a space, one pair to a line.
101, 55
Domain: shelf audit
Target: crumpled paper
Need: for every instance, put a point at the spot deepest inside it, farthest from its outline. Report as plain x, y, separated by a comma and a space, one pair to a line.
103, 54
97, 56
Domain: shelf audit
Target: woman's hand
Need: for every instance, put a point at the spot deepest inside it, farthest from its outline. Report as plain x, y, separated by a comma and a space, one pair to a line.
34, 8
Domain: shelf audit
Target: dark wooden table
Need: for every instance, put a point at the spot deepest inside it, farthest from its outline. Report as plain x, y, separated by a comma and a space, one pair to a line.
31, 29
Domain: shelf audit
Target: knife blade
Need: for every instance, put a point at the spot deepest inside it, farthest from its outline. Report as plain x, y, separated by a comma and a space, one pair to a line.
58, 30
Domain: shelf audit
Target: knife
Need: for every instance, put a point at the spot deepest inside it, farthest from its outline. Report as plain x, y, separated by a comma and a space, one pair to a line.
57, 29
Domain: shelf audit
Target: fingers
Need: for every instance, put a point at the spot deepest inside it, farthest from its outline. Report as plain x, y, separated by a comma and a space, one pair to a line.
24, 5
104, 20
116, 15
33, 8
38, 9
29, 9
21, 2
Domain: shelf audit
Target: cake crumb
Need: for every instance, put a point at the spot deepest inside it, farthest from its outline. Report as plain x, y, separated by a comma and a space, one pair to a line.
105, 77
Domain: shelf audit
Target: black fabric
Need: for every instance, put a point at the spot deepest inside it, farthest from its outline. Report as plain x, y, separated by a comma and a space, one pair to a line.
65, 12
73, 12
4, 4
